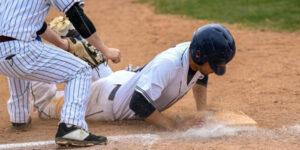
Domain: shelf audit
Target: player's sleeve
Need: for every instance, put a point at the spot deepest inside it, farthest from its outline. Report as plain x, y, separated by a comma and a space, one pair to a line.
154, 79
140, 105
203, 81
65, 5
80, 21
43, 29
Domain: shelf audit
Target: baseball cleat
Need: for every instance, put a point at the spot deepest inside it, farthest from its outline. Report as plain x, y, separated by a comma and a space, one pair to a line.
74, 136
21, 126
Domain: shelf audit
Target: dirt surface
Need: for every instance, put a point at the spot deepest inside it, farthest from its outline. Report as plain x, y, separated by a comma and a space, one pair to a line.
263, 81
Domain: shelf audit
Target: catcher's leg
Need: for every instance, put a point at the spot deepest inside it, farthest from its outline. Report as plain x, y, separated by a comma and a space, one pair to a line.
40, 62
71, 128
53, 65
18, 103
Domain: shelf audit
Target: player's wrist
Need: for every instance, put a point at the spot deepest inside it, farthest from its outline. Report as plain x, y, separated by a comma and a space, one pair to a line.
201, 107
104, 49
64, 44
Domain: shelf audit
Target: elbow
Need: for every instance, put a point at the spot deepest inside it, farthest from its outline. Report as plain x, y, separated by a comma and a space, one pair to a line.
140, 105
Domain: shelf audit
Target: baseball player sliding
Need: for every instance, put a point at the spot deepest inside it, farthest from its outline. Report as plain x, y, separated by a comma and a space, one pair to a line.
144, 94
24, 58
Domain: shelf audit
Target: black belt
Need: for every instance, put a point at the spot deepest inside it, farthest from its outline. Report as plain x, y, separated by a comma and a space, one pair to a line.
6, 38
113, 92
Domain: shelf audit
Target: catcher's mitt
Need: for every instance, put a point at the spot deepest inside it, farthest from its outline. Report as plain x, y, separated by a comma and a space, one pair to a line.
77, 45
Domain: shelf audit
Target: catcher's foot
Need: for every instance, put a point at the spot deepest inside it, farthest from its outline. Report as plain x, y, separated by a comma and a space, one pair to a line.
22, 126
75, 136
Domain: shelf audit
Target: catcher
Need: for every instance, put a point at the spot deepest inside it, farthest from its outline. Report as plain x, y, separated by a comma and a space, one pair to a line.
148, 91
24, 58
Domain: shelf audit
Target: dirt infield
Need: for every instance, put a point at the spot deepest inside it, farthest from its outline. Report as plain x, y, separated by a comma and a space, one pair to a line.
263, 81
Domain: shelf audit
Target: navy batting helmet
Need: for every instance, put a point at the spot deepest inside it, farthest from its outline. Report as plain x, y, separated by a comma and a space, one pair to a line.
214, 44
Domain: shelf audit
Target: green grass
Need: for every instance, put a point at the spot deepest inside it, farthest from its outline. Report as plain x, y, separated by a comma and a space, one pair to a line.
264, 14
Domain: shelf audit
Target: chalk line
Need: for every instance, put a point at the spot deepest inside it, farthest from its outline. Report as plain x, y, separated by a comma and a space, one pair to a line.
146, 139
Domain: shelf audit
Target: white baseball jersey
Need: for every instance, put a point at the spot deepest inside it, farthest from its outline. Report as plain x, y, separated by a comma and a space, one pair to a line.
27, 59
163, 81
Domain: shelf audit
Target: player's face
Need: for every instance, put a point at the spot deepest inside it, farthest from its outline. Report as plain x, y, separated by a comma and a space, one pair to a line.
204, 69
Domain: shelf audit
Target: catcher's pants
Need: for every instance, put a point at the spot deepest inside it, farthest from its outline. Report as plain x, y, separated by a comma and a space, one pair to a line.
24, 62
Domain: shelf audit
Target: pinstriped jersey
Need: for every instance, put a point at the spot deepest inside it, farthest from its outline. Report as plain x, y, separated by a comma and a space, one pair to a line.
21, 19
163, 81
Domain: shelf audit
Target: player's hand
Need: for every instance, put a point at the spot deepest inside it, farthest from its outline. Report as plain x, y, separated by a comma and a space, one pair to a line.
113, 54
187, 123
194, 123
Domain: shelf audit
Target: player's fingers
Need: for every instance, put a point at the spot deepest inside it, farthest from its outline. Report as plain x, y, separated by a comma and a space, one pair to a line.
200, 122
117, 60
119, 57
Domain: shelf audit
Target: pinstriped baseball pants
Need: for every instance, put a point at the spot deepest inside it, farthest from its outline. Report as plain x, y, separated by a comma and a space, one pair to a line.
24, 62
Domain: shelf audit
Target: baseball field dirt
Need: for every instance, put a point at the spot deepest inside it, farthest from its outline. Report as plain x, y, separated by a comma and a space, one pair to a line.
263, 81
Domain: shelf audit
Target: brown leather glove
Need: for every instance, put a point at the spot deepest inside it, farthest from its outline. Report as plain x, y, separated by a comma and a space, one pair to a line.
77, 45
86, 52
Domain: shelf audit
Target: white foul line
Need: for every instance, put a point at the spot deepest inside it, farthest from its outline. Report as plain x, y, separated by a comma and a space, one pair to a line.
147, 139
24, 145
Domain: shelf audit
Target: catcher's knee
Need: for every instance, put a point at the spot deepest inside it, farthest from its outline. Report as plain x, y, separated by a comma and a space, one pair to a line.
86, 70
83, 70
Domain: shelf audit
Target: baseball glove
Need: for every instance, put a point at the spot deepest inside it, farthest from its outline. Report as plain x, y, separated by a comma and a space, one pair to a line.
78, 46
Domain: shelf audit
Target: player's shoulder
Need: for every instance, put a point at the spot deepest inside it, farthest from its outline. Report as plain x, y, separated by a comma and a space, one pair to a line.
174, 55
183, 45
178, 49
165, 61
162, 63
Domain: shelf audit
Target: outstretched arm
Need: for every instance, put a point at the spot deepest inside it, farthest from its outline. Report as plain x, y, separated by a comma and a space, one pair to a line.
200, 96
200, 93
158, 119
145, 110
